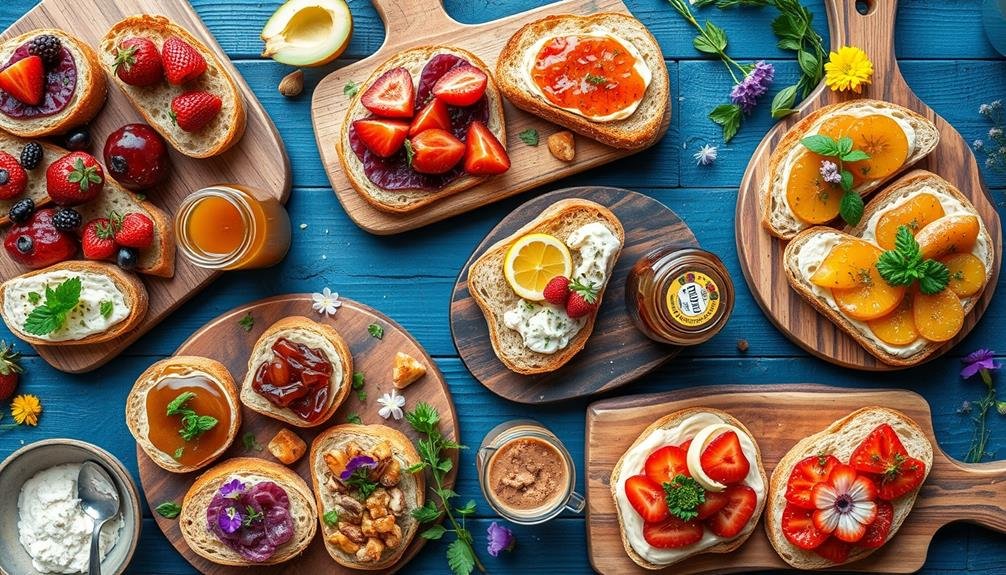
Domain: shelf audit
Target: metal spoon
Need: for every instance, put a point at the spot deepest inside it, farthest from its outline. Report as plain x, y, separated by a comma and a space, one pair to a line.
99, 499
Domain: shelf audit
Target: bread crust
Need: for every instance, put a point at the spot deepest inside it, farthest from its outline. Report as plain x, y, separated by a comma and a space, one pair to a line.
136, 410
130, 286
850, 431
255, 402
414, 199
625, 133
668, 421
541, 224
192, 520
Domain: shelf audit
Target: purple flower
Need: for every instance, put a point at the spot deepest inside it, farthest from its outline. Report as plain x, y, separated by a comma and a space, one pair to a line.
746, 93
830, 173
230, 520
358, 462
983, 359
500, 539
232, 489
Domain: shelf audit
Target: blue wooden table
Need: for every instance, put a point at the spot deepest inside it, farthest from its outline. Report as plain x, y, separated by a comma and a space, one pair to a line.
945, 58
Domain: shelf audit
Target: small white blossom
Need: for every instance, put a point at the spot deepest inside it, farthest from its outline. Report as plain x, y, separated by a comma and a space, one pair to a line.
995, 133
706, 155
392, 404
327, 302
978, 145
985, 109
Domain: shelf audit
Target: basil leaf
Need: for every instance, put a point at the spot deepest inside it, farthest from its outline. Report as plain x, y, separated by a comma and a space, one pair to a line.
728, 116
851, 208
808, 63
782, 103
168, 509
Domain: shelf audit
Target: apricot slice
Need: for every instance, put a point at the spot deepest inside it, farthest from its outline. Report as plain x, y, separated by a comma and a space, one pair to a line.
948, 235
812, 200
967, 274
938, 317
883, 139
847, 265
873, 298
916, 213
837, 126
898, 327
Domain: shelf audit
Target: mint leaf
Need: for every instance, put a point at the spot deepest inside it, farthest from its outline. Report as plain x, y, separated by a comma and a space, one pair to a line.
855, 156
460, 558
844, 145
176, 405
375, 330
331, 517
846, 182
684, 495
206, 423
247, 322
933, 277
250, 443
712, 40
729, 117
851, 208
904, 265
529, 136
354, 418
51, 315
821, 145
351, 88
168, 509
434, 533
34, 298
43, 320
358, 380
179, 452
106, 307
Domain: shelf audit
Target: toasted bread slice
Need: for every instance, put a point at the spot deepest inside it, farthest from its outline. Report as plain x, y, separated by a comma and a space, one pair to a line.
413, 486
192, 521
15, 308
671, 421
88, 97
495, 296
154, 102
640, 130
299, 329
408, 200
840, 439
179, 366
777, 217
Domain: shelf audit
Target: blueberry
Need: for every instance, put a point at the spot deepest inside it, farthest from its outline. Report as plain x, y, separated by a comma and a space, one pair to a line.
127, 258
78, 139
21, 211
25, 244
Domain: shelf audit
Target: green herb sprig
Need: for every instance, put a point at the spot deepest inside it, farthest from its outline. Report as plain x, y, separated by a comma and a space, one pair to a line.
684, 495
851, 208
905, 265
351, 88
193, 424
168, 509
376, 330
51, 315
250, 443
529, 136
360, 480
331, 517
247, 322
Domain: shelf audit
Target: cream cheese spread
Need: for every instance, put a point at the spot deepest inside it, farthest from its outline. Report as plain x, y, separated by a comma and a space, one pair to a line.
24, 294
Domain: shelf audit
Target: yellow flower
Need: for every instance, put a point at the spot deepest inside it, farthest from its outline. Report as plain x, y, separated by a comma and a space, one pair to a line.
848, 69
25, 408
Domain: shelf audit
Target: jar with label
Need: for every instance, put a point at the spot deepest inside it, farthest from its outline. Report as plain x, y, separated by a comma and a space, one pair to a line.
679, 295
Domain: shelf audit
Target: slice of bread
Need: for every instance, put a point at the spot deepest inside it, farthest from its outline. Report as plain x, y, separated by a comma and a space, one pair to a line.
840, 439
179, 366
88, 97
299, 329
495, 296
777, 217
413, 485
407, 200
641, 129
192, 521
154, 102
131, 288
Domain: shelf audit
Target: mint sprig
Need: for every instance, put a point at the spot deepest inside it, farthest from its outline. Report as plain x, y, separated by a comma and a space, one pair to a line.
904, 265
851, 206
193, 424
51, 315
684, 496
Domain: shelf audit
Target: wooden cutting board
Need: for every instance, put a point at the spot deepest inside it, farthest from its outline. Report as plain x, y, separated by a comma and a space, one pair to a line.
224, 340
761, 254
616, 353
258, 160
411, 23
778, 417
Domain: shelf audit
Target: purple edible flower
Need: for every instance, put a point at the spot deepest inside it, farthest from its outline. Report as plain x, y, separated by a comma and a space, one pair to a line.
232, 489
746, 93
500, 539
230, 520
982, 359
830, 173
360, 461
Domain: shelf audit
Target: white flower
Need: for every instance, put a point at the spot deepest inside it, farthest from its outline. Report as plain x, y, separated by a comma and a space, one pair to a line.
326, 302
995, 133
985, 109
392, 405
978, 144
706, 155
845, 504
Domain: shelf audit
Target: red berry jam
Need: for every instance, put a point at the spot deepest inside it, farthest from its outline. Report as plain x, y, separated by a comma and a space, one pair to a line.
60, 84
296, 378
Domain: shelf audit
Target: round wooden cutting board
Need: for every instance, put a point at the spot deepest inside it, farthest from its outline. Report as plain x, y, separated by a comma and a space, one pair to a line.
761, 254
616, 353
225, 340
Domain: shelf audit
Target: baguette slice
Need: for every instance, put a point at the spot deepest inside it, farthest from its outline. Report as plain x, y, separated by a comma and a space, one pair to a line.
840, 439
154, 102
408, 200
302, 330
192, 521
777, 217
413, 485
88, 97
638, 131
667, 422
494, 295
132, 289
179, 365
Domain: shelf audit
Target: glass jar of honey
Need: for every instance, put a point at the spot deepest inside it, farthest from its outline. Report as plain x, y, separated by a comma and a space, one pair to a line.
679, 295
229, 227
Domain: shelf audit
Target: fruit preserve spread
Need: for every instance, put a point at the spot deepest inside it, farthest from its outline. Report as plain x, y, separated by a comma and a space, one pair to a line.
251, 517
101, 304
60, 85
596, 75
297, 377
207, 399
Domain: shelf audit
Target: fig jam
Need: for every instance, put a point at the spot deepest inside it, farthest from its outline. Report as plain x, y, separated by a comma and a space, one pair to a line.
296, 378
60, 84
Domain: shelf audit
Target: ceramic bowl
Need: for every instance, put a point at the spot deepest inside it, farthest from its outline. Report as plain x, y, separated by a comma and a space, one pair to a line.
35, 457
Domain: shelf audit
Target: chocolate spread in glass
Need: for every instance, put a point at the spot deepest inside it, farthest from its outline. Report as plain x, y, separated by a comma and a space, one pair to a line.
296, 378
60, 84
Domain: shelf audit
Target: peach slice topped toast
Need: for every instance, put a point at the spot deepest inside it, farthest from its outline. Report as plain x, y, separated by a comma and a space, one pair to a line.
903, 280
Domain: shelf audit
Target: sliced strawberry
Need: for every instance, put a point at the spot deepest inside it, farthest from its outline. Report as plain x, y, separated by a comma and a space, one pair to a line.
844, 504
883, 454
877, 532
433, 115
647, 497
715, 500
684, 446
903, 478
436, 152
834, 550
484, 155
461, 86
798, 527
734, 517
25, 80
724, 461
382, 137
805, 475
672, 533
666, 463
392, 95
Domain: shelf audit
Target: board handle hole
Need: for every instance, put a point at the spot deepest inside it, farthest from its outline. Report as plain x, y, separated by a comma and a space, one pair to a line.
864, 7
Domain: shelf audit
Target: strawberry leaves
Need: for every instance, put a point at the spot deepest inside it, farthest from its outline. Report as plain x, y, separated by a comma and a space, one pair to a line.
83, 176
904, 265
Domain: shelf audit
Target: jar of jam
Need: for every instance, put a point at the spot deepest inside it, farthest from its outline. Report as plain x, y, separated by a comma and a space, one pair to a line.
229, 227
679, 295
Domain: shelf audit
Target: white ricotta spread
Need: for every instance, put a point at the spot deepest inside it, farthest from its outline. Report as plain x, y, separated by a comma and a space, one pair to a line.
53, 528
632, 464
84, 320
596, 244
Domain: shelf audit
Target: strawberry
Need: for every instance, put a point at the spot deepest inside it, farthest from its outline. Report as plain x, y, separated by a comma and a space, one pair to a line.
582, 299
382, 137
138, 63
834, 550
461, 86
905, 476
13, 178
557, 290
647, 497
74, 179
723, 459
666, 463
798, 527
672, 533
684, 446
98, 240
10, 370
433, 115
484, 155
38, 243
392, 95
436, 152
25, 80
877, 532
734, 516
182, 63
192, 111
715, 500
883, 455
134, 230
807, 473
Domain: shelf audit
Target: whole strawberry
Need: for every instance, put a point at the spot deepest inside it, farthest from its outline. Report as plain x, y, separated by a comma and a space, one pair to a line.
134, 230
182, 63
192, 111
10, 370
582, 299
74, 179
138, 63
13, 179
557, 290
98, 240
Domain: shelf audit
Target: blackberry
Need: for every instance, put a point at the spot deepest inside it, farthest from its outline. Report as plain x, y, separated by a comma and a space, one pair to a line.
127, 258
67, 220
21, 211
48, 48
31, 155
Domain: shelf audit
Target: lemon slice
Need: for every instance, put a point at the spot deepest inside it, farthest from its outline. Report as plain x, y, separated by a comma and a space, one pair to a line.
532, 261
